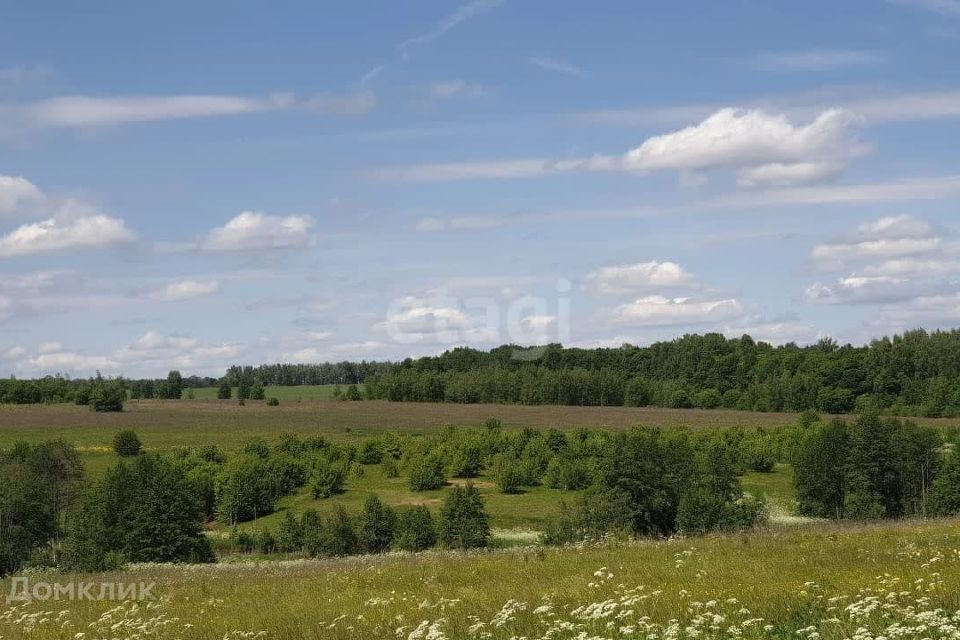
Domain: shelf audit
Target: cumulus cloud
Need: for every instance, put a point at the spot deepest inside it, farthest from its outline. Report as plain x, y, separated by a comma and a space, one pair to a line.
186, 289
57, 235
416, 320
18, 196
764, 148
887, 237
662, 311
861, 289
253, 231
638, 277
156, 351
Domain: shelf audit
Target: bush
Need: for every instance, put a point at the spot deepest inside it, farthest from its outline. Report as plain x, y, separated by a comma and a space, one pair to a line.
509, 477
416, 530
224, 390
257, 391
328, 479
340, 538
463, 520
353, 393
273, 402
708, 399
370, 452
126, 443
426, 474
390, 468
107, 396
680, 399
377, 526
289, 533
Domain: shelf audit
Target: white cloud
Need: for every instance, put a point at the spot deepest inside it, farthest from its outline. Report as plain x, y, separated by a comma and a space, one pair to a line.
886, 238
768, 147
56, 235
662, 311
88, 111
816, 59
155, 351
901, 226
643, 276
50, 347
859, 289
839, 253
252, 231
18, 195
559, 66
779, 174
775, 332
186, 289
764, 150
66, 361
893, 259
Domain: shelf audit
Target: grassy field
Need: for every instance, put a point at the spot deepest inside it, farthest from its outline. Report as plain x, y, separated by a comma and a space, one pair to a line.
170, 423
896, 580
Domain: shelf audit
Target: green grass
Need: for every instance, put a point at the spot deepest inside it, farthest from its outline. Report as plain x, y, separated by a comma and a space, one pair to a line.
288, 393
527, 511
831, 578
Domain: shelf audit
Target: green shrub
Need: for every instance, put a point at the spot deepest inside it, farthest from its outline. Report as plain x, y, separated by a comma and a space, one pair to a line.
107, 396
377, 526
416, 530
464, 523
708, 399
126, 443
328, 479
273, 402
426, 474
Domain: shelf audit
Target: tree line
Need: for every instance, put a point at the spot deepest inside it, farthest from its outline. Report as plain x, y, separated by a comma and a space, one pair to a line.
917, 373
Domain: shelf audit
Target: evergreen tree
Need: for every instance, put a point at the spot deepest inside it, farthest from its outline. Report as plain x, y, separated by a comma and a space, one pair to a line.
377, 525
224, 390
463, 520
416, 530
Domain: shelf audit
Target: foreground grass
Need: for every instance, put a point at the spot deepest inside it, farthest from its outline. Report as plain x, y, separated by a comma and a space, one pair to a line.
898, 580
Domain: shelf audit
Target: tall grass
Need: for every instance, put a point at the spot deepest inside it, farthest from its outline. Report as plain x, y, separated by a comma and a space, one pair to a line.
897, 580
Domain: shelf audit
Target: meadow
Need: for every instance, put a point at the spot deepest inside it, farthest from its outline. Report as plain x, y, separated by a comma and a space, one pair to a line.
891, 580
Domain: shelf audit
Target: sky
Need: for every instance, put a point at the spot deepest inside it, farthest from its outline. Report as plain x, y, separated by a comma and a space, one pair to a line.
194, 185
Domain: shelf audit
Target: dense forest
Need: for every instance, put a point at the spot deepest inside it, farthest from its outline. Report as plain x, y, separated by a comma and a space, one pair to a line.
917, 373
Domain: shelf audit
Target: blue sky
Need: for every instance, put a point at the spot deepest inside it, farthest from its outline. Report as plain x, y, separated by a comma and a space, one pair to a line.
187, 186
